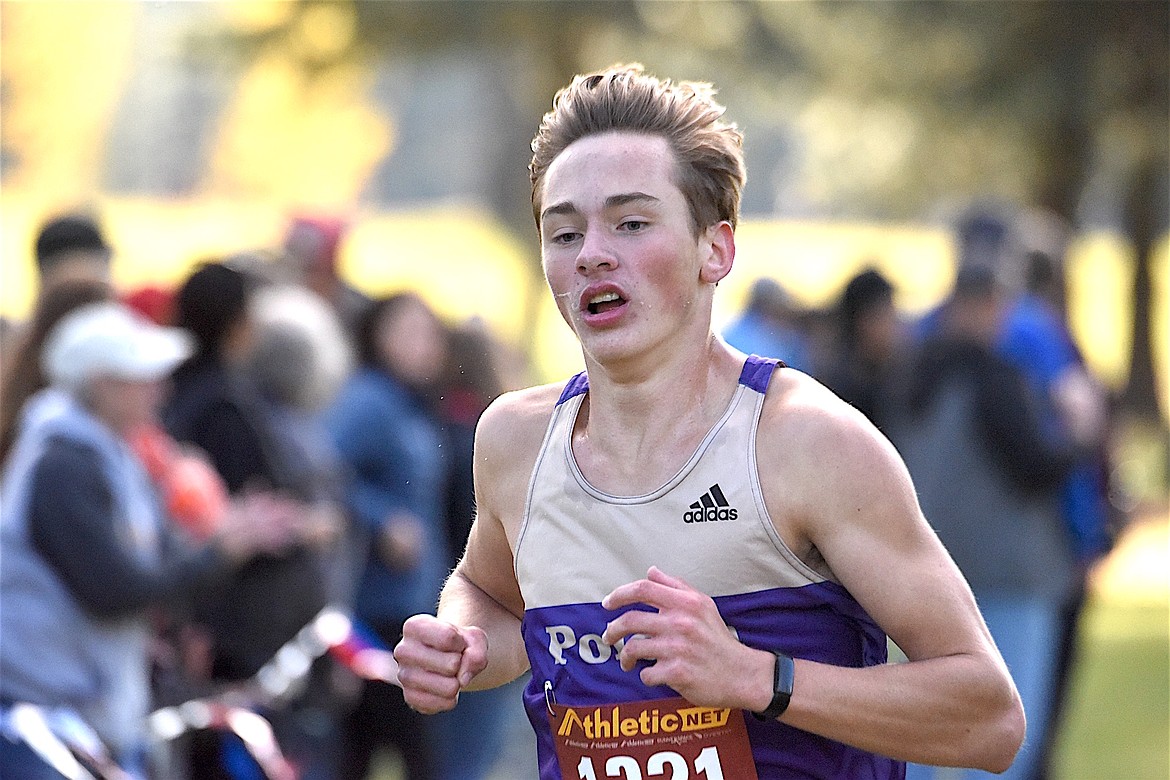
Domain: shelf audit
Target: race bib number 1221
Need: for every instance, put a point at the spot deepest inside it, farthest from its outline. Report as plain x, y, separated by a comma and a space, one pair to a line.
668, 738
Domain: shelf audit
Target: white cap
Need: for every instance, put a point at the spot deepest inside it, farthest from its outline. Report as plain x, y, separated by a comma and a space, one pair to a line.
108, 339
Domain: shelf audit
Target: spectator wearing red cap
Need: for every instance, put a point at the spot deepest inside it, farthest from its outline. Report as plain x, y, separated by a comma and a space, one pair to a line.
155, 303
311, 252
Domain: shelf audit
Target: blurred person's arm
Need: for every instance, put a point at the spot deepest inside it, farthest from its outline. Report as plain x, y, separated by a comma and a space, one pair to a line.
71, 521
1034, 456
1037, 341
1083, 407
369, 444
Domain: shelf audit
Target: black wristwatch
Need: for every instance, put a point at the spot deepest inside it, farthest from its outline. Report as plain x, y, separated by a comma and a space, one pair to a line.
781, 688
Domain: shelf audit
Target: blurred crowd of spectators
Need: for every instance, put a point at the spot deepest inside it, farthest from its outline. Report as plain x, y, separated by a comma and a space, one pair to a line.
193, 477
1004, 430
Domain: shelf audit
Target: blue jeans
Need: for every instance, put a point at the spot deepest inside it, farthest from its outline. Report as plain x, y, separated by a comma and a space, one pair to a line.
1026, 629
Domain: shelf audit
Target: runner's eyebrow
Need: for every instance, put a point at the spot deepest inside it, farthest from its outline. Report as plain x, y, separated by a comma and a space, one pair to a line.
567, 208
629, 197
559, 209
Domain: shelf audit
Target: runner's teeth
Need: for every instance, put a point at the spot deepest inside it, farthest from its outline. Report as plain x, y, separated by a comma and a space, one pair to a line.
604, 298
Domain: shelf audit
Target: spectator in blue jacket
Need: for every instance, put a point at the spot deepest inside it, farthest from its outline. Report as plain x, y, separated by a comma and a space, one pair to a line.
767, 326
1037, 340
1034, 339
988, 475
389, 440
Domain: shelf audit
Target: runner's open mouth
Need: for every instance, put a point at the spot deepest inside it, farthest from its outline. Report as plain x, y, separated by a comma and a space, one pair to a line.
605, 302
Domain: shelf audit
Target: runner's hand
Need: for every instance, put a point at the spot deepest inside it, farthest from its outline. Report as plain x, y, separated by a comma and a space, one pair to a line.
436, 660
691, 649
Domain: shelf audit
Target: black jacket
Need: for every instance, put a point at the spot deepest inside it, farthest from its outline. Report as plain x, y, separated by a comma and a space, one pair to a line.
270, 598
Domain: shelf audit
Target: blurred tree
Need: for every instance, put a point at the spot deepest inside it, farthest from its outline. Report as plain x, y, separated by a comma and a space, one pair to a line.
511, 56
872, 110
528, 48
886, 111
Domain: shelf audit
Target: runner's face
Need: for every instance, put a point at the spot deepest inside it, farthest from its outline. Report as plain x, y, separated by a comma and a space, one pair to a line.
626, 270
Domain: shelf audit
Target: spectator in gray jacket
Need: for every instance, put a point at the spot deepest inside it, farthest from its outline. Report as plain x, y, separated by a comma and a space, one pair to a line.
988, 476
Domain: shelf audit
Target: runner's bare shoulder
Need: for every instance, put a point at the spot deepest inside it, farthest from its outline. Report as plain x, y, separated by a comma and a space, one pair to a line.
835, 442
822, 462
516, 421
507, 442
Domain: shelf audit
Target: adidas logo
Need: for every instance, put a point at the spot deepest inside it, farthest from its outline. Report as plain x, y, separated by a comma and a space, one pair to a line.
711, 506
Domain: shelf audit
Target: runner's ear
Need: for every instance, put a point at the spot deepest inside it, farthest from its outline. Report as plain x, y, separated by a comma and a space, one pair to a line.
718, 242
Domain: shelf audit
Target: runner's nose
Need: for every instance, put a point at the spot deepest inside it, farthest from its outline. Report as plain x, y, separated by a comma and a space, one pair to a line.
595, 254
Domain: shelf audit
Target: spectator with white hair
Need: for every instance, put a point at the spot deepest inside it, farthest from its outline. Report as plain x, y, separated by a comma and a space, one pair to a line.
87, 548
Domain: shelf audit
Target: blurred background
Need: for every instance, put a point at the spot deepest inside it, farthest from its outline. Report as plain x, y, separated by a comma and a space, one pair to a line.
197, 129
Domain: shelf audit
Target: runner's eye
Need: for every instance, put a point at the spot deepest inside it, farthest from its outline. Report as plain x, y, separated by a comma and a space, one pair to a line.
633, 225
565, 238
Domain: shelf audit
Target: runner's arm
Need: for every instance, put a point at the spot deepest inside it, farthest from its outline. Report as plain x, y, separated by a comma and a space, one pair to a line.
483, 590
474, 641
953, 703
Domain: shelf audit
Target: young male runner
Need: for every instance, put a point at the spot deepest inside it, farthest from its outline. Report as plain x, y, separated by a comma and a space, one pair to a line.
682, 537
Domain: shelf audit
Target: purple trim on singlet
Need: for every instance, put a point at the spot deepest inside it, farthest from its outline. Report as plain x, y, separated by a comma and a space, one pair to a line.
819, 622
577, 385
757, 372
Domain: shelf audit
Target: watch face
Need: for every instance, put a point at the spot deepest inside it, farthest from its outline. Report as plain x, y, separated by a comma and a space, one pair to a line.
785, 674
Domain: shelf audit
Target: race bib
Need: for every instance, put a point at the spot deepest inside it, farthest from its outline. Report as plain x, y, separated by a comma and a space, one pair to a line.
669, 738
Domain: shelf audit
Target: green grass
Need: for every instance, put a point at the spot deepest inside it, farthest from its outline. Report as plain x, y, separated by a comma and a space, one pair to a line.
1118, 720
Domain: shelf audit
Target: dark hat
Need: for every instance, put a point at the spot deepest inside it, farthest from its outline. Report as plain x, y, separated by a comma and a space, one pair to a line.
68, 233
767, 294
984, 237
868, 291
